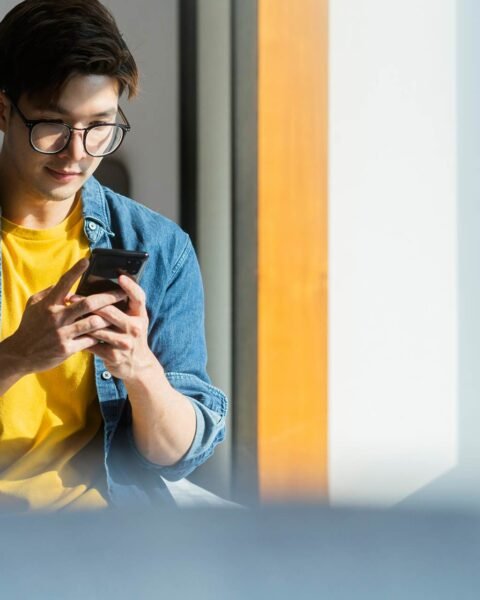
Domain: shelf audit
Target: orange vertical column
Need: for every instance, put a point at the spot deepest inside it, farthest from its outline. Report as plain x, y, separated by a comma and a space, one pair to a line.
292, 249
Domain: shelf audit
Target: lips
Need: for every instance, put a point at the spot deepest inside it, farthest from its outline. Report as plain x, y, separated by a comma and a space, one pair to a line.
61, 175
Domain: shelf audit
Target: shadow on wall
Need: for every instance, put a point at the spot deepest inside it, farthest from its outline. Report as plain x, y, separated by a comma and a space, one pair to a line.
114, 174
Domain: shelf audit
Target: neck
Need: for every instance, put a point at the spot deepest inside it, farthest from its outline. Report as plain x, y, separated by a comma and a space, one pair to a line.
34, 215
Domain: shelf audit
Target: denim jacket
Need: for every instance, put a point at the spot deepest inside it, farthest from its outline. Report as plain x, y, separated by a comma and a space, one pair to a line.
174, 295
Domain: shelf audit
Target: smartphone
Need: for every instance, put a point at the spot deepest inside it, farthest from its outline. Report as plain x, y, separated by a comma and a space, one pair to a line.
106, 265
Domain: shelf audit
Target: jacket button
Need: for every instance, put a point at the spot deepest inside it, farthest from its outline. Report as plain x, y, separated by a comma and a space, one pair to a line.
106, 375
92, 226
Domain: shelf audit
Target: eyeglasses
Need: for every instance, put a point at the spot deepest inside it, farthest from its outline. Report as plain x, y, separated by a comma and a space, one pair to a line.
51, 136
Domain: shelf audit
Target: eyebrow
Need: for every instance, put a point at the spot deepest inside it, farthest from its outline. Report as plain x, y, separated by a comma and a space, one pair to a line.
56, 108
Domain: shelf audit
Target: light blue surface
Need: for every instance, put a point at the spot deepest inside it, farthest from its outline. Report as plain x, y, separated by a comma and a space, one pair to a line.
283, 553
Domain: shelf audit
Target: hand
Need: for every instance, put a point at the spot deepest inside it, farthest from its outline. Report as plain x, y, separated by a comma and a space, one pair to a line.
125, 349
52, 329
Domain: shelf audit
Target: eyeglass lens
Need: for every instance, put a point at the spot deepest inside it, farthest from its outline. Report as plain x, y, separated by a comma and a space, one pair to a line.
53, 137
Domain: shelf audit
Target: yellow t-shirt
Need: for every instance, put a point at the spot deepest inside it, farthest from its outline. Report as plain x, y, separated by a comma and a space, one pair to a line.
51, 453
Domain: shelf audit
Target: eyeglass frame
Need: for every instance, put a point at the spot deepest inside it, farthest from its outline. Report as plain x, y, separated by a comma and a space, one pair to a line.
30, 124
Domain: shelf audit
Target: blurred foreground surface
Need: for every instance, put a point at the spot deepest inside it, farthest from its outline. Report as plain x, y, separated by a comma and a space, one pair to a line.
277, 552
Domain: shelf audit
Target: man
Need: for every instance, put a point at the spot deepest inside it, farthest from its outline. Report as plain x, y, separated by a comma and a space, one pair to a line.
97, 406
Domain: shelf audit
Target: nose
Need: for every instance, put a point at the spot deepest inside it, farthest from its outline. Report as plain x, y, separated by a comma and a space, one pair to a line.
75, 149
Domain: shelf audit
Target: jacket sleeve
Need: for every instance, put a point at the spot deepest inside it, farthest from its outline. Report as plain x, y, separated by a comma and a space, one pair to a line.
177, 338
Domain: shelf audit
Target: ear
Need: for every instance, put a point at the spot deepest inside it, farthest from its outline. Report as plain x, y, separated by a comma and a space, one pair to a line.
5, 107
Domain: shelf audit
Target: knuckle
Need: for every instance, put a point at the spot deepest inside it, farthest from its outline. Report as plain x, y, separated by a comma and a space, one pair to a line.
135, 330
78, 329
63, 344
124, 343
95, 322
89, 304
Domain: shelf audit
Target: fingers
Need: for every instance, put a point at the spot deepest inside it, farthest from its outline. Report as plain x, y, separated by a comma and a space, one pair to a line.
113, 339
60, 290
115, 317
84, 343
90, 304
136, 296
85, 326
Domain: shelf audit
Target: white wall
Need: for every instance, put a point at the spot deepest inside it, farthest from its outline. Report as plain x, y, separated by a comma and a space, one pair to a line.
393, 247
460, 487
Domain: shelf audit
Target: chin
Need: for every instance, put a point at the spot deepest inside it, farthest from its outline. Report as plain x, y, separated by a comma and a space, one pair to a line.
59, 193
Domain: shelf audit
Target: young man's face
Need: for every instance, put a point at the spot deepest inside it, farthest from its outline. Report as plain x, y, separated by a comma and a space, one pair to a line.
85, 100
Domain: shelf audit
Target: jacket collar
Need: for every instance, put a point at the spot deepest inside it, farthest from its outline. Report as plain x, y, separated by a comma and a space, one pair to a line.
94, 205
96, 216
